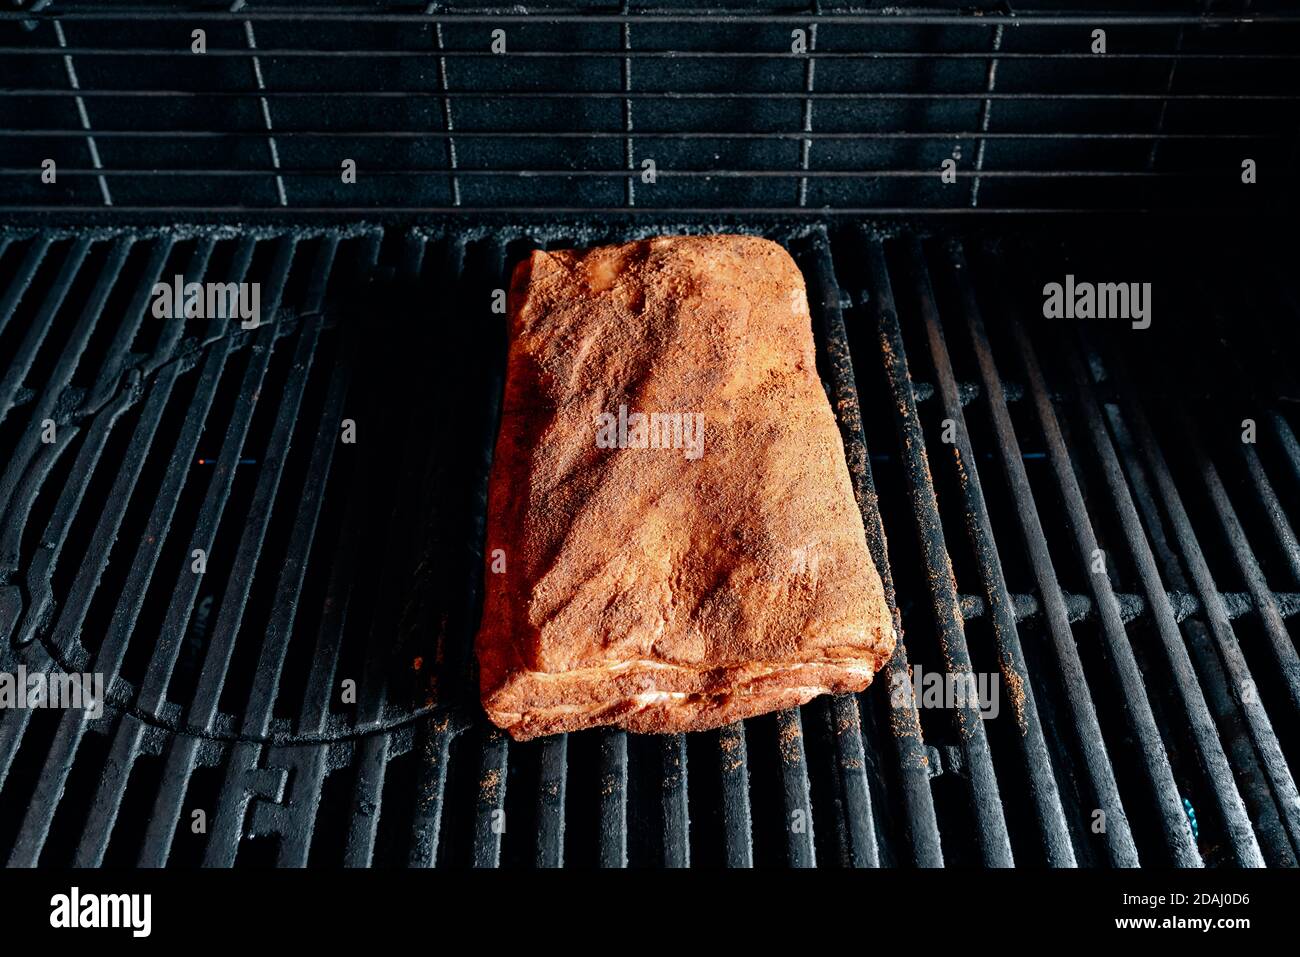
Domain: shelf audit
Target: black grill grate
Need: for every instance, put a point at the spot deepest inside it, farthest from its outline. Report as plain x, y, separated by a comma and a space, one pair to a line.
774, 109
1170, 679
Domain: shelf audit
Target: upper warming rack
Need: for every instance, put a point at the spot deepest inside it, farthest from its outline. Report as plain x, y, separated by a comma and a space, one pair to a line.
189, 109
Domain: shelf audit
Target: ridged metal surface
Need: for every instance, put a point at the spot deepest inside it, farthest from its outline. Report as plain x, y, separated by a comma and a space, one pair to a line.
1167, 679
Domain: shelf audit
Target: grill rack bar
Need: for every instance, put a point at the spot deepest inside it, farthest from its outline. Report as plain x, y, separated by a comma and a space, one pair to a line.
796, 790
1255, 784
227, 822
990, 18
110, 655
1272, 504
111, 370
675, 802
1248, 385
491, 801
18, 494
32, 456
635, 54
613, 798
1121, 850
681, 173
22, 279
629, 148
431, 791
1178, 832
1199, 720
1046, 796
72, 613
682, 95
841, 712
738, 830
858, 820
1265, 605
994, 840
550, 801
296, 820
914, 765
815, 213
1256, 717
129, 739
21, 363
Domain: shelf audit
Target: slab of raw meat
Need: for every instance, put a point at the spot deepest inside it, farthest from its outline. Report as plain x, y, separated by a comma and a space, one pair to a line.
688, 575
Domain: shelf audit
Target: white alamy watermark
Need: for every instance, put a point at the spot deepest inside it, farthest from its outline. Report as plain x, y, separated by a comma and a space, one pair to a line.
209, 300
75, 909
83, 692
938, 689
651, 430
1101, 300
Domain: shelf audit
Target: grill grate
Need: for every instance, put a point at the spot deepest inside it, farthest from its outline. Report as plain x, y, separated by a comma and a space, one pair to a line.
828, 109
1170, 678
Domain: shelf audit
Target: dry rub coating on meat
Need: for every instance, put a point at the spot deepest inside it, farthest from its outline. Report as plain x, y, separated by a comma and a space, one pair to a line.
683, 587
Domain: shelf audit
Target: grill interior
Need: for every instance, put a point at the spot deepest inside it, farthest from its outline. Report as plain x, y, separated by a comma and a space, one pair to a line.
998, 457
1171, 678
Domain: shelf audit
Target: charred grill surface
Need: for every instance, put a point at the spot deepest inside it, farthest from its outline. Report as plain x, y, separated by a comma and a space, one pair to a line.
1064, 506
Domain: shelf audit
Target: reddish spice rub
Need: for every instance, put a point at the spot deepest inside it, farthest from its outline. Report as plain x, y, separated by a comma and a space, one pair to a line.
650, 588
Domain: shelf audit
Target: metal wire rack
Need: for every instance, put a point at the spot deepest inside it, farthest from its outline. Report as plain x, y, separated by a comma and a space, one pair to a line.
553, 110
1171, 679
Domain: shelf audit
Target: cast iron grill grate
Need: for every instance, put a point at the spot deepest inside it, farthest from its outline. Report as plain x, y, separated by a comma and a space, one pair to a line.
1168, 681
448, 108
